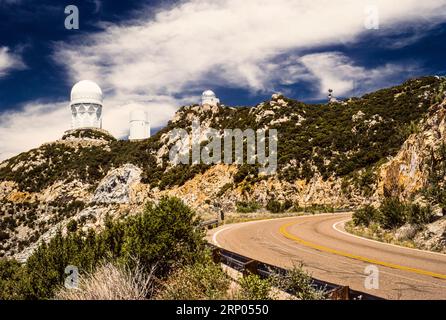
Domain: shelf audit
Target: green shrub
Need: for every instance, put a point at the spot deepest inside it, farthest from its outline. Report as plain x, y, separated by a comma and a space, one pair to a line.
12, 280
165, 233
365, 216
252, 287
298, 283
201, 281
274, 206
72, 226
393, 213
247, 207
419, 215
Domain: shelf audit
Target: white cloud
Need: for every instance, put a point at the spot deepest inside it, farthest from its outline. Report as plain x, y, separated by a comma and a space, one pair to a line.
37, 122
177, 51
333, 70
27, 128
224, 42
9, 61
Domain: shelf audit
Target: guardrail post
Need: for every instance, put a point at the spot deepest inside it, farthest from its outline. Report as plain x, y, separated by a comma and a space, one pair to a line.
250, 267
216, 255
340, 293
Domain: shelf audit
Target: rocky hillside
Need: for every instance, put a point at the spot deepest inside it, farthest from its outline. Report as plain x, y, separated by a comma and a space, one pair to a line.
340, 155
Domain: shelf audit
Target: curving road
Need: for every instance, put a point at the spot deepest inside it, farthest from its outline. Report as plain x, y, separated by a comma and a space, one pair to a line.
331, 254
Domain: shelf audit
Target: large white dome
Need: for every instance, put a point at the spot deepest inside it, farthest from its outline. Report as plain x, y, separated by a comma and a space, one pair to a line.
86, 91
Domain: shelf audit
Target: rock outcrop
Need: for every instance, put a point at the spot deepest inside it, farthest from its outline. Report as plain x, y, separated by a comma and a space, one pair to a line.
406, 174
116, 186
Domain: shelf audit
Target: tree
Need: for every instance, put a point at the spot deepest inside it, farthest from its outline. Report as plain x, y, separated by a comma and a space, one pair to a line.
165, 234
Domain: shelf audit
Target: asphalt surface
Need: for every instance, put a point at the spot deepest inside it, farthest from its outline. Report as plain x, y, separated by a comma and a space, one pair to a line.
329, 253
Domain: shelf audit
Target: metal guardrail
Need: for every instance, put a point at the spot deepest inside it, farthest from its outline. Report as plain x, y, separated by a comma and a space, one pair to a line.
209, 223
247, 265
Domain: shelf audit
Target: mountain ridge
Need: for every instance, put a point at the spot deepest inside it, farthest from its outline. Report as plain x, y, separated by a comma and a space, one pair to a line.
341, 155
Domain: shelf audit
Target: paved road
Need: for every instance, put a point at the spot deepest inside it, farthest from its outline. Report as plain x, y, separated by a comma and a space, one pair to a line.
332, 255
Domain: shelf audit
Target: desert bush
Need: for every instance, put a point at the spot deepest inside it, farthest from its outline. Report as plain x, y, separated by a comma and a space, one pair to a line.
111, 282
298, 283
274, 206
365, 216
166, 232
392, 213
247, 206
252, 287
202, 280
12, 280
417, 214
72, 226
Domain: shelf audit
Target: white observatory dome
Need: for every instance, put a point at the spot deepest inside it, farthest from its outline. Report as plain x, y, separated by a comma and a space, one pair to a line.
86, 105
208, 94
208, 97
86, 91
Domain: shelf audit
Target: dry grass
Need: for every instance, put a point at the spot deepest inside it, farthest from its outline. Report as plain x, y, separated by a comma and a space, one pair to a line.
375, 232
111, 282
235, 217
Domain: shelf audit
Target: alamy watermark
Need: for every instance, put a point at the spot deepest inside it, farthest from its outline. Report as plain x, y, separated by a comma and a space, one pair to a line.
72, 280
205, 146
72, 19
372, 277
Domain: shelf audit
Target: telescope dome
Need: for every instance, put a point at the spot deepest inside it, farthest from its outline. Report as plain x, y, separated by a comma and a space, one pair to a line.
86, 91
208, 94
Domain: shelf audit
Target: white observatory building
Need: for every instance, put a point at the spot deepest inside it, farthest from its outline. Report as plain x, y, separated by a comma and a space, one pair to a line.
86, 105
139, 125
331, 98
208, 97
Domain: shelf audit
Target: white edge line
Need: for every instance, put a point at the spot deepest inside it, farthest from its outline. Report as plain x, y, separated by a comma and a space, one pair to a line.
214, 236
335, 227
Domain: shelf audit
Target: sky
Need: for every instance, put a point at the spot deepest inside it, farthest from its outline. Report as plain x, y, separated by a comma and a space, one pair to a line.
160, 55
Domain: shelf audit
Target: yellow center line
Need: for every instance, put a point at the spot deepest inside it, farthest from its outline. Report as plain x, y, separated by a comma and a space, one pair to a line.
283, 230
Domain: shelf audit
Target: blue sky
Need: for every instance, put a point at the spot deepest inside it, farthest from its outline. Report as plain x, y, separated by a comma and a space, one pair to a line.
163, 54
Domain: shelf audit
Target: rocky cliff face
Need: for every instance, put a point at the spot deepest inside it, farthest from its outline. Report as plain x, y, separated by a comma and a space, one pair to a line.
406, 174
340, 155
115, 187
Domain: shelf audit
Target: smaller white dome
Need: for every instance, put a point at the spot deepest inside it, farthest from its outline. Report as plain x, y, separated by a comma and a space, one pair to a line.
208, 94
86, 91
138, 115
